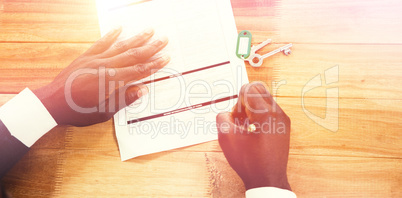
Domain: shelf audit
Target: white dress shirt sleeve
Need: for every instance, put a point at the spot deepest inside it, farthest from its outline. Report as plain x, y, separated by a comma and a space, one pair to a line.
26, 117
269, 192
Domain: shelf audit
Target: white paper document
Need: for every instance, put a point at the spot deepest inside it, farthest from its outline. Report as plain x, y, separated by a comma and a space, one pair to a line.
202, 79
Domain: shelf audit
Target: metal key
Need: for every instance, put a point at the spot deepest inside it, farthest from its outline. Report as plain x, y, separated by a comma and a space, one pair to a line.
286, 50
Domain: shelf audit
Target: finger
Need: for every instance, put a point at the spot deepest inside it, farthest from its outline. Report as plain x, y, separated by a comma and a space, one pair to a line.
133, 42
140, 71
138, 55
263, 91
255, 102
105, 42
122, 97
272, 105
224, 121
225, 126
229, 131
239, 110
253, 88
256, 105
131, 94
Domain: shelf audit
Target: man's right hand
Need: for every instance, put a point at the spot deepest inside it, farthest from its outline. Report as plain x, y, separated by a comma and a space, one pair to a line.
260, 157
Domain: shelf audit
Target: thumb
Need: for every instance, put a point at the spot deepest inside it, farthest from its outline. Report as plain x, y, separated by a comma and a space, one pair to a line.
224, 124
135, 92
130, 94
229, 126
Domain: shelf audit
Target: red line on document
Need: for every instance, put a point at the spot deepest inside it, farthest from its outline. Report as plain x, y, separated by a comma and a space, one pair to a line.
182, 109
184, 73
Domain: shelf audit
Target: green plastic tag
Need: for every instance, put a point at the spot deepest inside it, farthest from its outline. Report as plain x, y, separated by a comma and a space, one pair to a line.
243, 44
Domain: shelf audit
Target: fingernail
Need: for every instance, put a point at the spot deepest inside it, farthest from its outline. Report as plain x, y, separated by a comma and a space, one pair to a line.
148, 31
163, 40
165, 59
142, 92
117, 29
113, 31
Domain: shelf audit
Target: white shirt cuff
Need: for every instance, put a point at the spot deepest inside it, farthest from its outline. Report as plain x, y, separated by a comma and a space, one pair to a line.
26, 117
268, 192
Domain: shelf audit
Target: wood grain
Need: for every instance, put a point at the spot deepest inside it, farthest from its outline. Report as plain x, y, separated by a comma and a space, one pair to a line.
35, 175
313, 21
362, 73
362, 158
331, 176
366, 128
330, 21
340, 21
34, 64
48, 21
360, 130
197, 174
360, 135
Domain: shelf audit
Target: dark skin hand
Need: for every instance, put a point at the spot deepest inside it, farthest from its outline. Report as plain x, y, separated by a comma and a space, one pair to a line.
260, 157
94, 86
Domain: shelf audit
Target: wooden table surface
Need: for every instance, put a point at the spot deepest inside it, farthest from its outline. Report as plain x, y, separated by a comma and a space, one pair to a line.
357, 45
